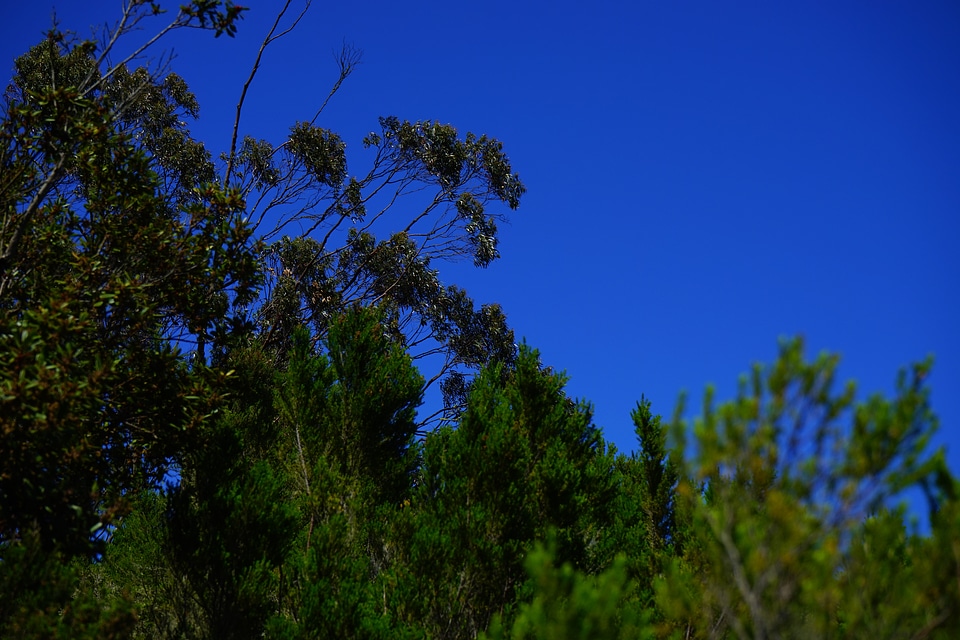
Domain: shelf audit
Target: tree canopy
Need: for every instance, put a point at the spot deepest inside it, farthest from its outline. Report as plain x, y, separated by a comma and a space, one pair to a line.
212, 375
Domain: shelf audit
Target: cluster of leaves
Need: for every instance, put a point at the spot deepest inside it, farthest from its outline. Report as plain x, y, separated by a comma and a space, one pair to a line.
219, 16
339, 260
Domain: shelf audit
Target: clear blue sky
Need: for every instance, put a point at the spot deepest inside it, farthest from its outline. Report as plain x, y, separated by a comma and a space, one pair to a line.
702, 177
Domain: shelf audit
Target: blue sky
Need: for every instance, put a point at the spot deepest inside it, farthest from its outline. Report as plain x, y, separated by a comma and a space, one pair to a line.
703, 178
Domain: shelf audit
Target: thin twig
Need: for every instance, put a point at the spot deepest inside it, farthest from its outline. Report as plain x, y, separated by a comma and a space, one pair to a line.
271, 36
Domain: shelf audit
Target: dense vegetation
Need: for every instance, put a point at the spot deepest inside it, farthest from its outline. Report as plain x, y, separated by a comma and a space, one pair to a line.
212, 429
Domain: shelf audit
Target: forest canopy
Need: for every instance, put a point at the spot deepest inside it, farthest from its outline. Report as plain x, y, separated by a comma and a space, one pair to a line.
213, 372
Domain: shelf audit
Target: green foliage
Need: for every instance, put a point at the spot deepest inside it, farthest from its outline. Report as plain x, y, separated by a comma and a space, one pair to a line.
64, 474
307, 501
328, 585
41, 598
896, 585
434, 149
310, 508
255, 156
138, 564
433, 152
322, 152
277, 521
777, 488
230, 529
103, 269
523, 460
646, 529
568, 604
340, 261
209, 12
155, 111
348, 419
378, 391
95, 284
657, 479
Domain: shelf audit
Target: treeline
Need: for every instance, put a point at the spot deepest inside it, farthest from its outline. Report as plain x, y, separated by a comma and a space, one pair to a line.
212, 429
307, 506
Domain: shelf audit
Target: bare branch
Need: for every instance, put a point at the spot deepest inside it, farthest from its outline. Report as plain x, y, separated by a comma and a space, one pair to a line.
348, 59
272, 35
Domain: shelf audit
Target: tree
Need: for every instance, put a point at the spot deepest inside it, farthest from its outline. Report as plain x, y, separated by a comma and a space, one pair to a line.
350, 249
303, 182
785, 491
523, 461
645, 526
100, 266
99, 269
120, 245
276, 523
313, 279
